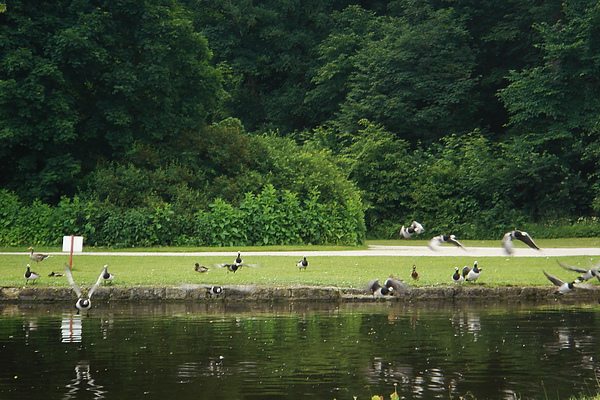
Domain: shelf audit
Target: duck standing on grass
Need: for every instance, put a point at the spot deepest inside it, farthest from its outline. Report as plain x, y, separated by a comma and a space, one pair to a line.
201, 268
457, 277
302, 264
30, 275
471, 275
414, 274
37, 257
83, 303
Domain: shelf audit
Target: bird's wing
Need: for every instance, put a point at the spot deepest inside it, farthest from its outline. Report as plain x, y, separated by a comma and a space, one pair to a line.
93, 289
556, 281
573, 268
398, 286
434, 243
373, 286
417, 227
455, 242
525, 238
71, 281
507, 243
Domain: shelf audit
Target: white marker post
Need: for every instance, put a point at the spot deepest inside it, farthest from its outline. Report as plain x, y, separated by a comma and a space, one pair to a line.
72, 244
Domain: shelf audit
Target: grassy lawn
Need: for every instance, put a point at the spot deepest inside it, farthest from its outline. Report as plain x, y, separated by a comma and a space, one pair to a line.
324, 270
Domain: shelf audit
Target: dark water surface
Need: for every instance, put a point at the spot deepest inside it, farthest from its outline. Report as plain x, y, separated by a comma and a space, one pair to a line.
297, 351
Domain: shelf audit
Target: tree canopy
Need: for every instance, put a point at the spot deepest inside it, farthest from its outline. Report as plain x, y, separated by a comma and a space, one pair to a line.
471, 115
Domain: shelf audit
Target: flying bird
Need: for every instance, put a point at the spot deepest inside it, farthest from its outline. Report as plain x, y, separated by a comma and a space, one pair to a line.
414, 229
437, 241
507, 240
83, 303
201, 268
457, 277
37, 257
30, 275
391, 286
563, 287
587, 273
471, 275
302, 264
237, 264
107, 276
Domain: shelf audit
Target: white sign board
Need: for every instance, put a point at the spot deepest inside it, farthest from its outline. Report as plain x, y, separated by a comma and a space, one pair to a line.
77, 244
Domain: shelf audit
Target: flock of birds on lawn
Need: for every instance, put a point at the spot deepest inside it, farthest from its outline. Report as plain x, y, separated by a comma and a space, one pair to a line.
390, 287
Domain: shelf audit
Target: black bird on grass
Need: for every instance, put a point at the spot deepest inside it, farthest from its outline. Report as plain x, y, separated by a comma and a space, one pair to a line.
457, 277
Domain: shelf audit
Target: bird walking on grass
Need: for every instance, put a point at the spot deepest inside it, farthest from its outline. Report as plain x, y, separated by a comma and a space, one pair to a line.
302, 264
107, 277
37, 257
84, 303
457, 277
31, 276
414, 229
414, 274
201, 268
562, 286
390, 287
507, 241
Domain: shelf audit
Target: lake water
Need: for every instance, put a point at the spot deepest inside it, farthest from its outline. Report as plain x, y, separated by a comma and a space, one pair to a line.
297, 351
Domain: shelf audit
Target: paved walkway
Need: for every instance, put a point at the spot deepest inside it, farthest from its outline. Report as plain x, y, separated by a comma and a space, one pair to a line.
376, 251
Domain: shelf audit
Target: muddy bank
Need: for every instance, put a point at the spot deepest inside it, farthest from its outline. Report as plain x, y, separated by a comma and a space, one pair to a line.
297, 293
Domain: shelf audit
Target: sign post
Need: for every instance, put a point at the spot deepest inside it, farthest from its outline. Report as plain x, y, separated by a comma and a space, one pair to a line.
72, 244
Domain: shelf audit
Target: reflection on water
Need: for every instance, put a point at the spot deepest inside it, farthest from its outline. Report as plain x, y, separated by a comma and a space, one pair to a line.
71, 328
297, 350
83, 382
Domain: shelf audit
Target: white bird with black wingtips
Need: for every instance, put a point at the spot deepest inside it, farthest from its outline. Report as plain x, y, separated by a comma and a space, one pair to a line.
83, 303
439, 240
414, 229
507, 240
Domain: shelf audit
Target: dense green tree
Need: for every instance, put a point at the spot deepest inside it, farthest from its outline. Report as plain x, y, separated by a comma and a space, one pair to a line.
554, 108
84, 80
